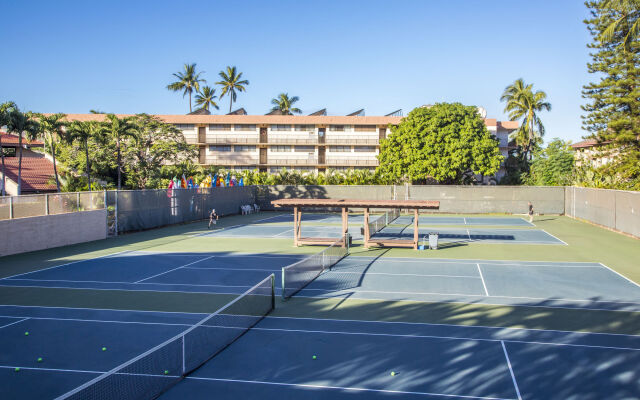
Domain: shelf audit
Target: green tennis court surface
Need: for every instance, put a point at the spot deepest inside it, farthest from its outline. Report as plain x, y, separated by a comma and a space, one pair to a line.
475, 319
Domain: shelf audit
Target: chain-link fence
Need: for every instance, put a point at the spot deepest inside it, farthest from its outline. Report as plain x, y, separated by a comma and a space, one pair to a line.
33, 205
614, 209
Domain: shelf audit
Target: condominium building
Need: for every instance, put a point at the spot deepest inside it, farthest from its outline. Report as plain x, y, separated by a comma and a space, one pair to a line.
315, 143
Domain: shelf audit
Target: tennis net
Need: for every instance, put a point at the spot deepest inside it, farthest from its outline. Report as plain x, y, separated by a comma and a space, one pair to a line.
382, 221
298, 275
156, 370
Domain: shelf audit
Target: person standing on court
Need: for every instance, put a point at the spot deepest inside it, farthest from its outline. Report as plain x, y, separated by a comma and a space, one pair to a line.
530, 212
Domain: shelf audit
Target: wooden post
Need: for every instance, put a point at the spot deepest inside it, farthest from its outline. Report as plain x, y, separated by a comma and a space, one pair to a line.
299, 231
345, 225
415, 229
366, 228
295, 226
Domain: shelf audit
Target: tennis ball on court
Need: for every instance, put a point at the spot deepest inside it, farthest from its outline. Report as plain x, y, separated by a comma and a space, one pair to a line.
314, 357
104, 349
17, 370
26, 333
393, 373
166, 372
39, 359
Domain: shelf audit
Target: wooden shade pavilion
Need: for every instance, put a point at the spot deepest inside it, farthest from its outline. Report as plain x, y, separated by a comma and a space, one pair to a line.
344, 205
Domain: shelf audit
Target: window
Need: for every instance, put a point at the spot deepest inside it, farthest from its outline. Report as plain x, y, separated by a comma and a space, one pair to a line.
364, 128
279, 149
364, 149
280, 127
305, 128
244, 127
220, 127
305, 149
336, 128
244, 148
185, 127
220, 148
9, 151
340, 149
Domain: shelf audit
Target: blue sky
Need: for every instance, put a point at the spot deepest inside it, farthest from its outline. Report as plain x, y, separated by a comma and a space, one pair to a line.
118, 56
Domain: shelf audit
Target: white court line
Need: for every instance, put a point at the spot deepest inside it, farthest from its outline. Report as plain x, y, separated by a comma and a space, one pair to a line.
129, 290
513, 377
465, 220
125, 283
14, 322
474, 261
620, 275
472, 295
119, 310
484, 285
282, 233
451, 325
468, 234
49, 369
108, 321
528, 223
556, 238
234, 255
346, 388
333, 271
65, 264
459, 338
171, 270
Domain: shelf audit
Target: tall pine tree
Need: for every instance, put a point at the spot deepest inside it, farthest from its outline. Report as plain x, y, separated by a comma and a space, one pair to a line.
613, 108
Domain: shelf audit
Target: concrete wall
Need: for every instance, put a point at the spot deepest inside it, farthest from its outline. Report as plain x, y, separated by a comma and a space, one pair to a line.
37, 233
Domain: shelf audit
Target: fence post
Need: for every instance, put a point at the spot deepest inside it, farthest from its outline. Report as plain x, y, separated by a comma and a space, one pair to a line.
46, 204
10, 207
78, 201
116, 214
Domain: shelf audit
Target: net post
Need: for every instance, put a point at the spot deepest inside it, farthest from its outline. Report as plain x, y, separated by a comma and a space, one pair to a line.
184, 368
284, 294
273, 291
11, 207
46, 204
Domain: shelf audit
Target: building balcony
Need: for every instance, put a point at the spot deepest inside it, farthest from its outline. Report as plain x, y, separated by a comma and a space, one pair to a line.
232, 140
350, 140
291, 161
352, 162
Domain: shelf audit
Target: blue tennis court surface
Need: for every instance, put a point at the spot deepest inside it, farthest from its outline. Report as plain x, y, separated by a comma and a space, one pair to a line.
354, 359
327, 218
581, 285
458, 235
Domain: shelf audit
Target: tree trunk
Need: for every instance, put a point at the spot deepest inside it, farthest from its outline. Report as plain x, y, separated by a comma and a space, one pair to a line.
20, 164
4, 192
230, 102
55, 167
86, 153
119, 168
190, 102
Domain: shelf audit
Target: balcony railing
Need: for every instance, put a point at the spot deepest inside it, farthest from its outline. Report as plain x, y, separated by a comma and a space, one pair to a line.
292, 161
352, 162
350, 140
232, 140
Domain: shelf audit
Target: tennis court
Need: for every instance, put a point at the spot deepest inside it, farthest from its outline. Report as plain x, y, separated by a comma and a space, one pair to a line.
466, 321
352, 359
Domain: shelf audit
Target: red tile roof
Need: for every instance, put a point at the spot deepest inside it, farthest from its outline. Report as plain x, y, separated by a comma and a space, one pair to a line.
588, 143
36, 173
10, 140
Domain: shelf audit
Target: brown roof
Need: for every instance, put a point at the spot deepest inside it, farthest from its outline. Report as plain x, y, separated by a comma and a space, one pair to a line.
588, 143
11, 140
277, 119
37, 173
356, 203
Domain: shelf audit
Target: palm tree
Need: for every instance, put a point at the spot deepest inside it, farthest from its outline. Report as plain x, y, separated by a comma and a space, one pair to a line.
205, 98
118, 129
53, 127
284, 103
628, 22
188, 81
5, 110
83, 131
523, 102
22, 124
231, 81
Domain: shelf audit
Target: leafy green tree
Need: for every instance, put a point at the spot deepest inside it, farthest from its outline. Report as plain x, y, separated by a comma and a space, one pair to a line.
188, 81
625, 21
119, 130
5, 112
612, 113
83, 131
22, 124
155, 144
231, 82
284, 104
523, 102
552, 166
445, 142
52, 126
206, 98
